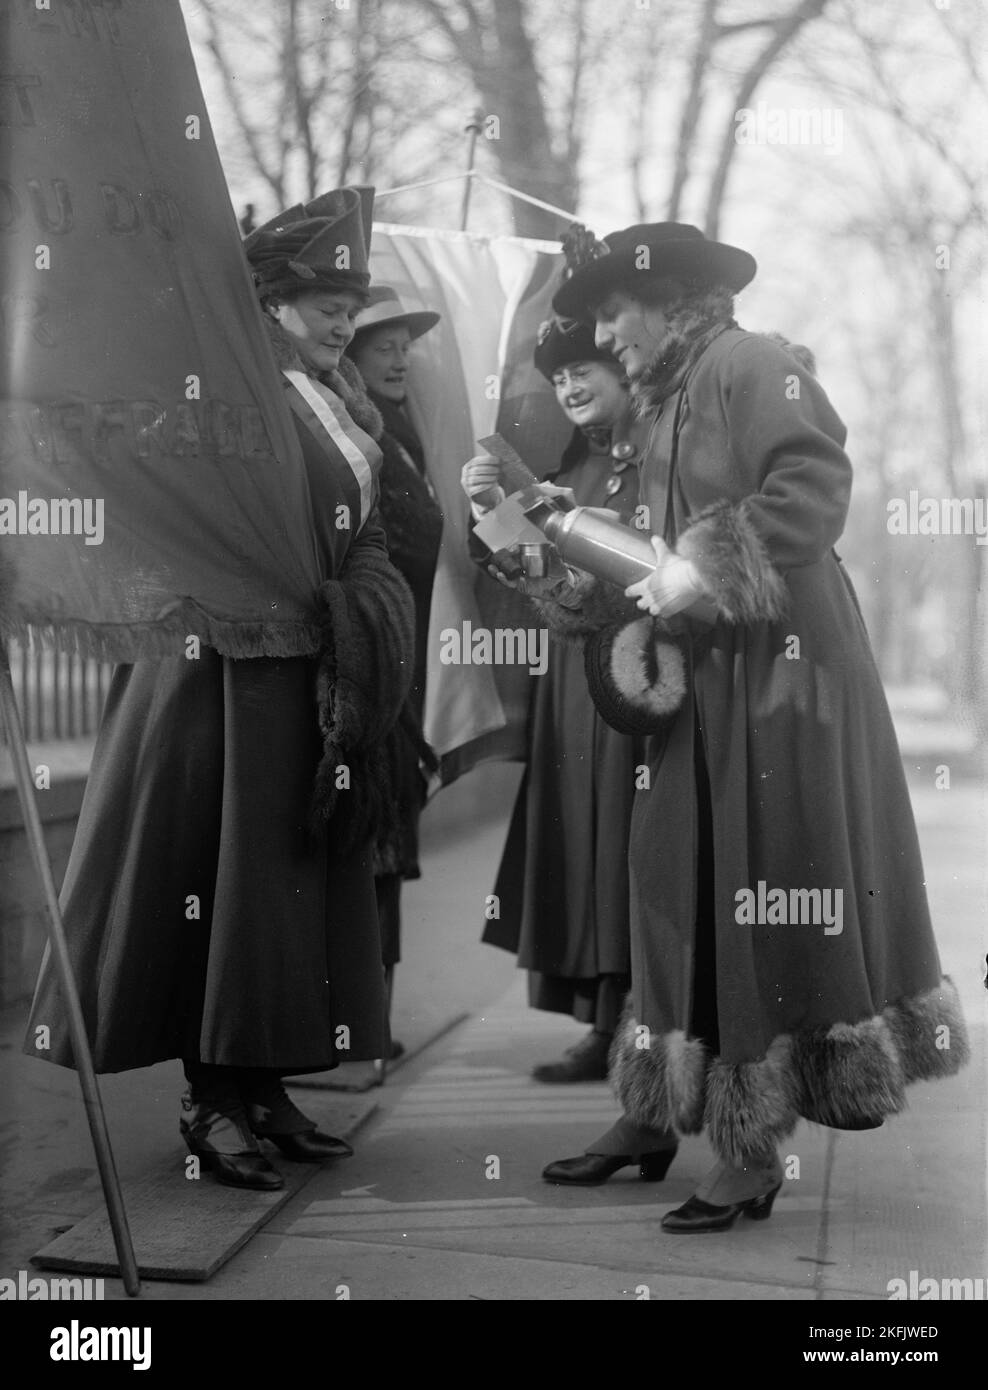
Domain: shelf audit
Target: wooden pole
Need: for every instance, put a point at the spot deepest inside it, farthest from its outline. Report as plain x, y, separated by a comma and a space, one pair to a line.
473, 129
59, 949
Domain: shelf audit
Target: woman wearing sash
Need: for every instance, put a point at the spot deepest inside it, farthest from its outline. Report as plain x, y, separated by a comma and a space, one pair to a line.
219, 900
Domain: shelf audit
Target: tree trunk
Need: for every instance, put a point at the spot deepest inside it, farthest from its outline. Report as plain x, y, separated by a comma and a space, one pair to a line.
689, 120
783, 34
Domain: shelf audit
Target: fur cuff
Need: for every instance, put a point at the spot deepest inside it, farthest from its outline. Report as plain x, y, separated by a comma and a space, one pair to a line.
636, 679
738, 577
849, 1076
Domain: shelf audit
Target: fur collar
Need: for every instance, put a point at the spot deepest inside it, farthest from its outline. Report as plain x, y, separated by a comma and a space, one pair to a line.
348, 384
346, 381
283, 346
694, 322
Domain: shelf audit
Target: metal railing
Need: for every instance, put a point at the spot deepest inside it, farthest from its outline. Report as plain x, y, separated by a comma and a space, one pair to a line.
60, 695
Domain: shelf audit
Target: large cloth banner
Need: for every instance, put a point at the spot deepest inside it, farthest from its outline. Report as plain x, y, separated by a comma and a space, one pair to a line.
469, 376
151, 482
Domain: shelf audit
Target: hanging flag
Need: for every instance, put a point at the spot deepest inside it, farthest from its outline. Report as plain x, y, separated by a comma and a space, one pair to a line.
470, 376
151, 482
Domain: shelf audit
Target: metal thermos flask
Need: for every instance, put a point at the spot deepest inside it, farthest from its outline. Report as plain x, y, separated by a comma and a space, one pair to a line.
602, 545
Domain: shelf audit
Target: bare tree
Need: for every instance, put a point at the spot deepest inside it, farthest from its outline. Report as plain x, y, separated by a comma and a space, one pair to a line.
783, 31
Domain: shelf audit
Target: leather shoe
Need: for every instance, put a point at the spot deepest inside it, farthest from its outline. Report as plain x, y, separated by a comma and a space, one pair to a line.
587, 1061
696, 1215
590, 1170
226, 1148
310, 1146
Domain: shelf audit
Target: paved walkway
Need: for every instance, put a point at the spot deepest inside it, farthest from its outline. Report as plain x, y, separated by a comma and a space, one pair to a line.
443, 1199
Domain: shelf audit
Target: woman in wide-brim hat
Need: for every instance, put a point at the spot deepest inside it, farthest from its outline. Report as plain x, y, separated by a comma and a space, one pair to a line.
215, 782
413, 523
783, 958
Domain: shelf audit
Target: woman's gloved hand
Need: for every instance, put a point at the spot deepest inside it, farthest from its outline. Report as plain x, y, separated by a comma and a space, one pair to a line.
480, 479
672, 586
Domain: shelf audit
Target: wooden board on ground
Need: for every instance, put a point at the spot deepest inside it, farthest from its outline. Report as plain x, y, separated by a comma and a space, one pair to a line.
185, 1229
357, 1077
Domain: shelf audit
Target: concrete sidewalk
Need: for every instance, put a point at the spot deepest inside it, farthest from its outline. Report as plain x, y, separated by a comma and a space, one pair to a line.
443, 1199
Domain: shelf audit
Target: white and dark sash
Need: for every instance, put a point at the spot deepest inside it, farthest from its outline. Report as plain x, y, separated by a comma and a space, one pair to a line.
325, 416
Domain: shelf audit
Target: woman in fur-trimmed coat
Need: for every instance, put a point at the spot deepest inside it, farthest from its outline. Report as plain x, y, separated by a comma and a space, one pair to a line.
219, 900
774, 763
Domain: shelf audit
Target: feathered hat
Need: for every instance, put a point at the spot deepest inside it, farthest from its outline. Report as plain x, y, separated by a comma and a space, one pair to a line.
674, 249
565, 340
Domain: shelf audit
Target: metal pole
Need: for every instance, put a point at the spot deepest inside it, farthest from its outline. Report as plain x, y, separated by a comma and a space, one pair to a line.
60, 952
473, 129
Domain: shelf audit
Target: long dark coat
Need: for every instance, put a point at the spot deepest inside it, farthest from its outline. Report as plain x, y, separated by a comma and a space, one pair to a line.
204, 919
413, 524
562, 885
784, 710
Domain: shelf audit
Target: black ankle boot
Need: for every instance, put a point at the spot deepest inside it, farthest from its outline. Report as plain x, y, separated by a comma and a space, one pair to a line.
590, 1170
216, 1132
587, 1061
696, 1215
273, 1115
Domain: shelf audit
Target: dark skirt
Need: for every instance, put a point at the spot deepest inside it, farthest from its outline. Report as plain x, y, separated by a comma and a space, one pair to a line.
562, 886
204, 920
598, 1002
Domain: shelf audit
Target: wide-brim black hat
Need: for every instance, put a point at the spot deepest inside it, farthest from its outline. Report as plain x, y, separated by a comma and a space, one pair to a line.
654, 249
385, 310
320, 245
564, 341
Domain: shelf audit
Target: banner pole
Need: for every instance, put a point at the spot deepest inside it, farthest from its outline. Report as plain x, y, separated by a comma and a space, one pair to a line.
473, 129
59, 949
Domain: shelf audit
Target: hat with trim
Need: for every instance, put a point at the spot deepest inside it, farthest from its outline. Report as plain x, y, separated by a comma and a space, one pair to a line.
564, 341
654, 249
320, 245
385, 309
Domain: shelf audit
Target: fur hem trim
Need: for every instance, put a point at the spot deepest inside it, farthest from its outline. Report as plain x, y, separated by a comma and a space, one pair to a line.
848, 1076
659, 1081
929, 1033
733, 564
751, 1107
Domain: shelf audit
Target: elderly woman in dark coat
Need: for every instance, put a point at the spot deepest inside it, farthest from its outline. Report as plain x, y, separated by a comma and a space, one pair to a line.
783, 959
563, 881
219, 900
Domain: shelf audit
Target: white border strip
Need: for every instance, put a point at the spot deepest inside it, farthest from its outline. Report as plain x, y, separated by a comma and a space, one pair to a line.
359, 466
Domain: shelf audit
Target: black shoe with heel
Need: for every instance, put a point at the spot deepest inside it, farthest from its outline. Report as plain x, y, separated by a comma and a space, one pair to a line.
310, 1146
696, 1215
221, 1140
273, 1115
590, 1170
587, 1061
